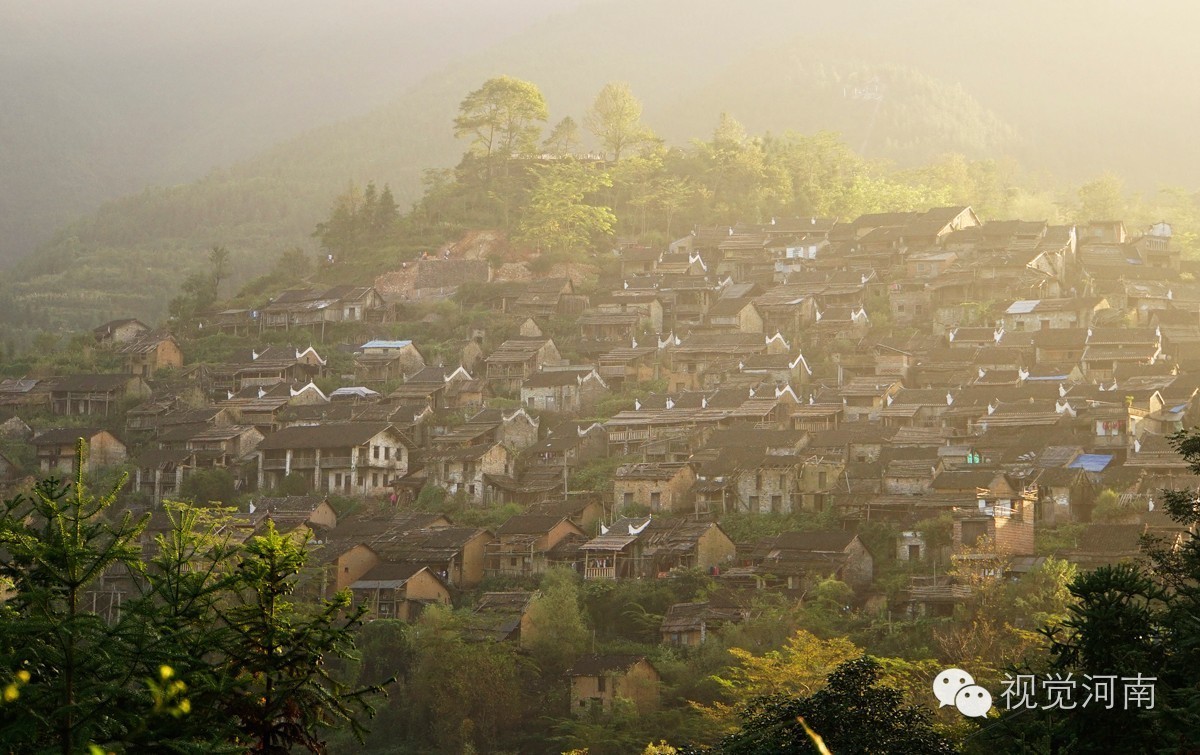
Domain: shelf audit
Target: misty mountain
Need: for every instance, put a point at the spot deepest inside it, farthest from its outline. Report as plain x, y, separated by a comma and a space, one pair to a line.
101, 100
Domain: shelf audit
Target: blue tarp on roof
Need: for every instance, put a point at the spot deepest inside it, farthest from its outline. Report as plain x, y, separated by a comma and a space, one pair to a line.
1091, 462
385, 344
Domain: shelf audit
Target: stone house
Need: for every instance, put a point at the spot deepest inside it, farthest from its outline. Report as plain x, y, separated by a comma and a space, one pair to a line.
735, 315
1005, 516
456, 554
504, 617
399, 591
306, 308
523, 541
9, 471
807, 557
120, 331
272, 366
380, 361
466, 469
55, 450
598, 680
863, 398
151, 352
666, 545
94, 394
344, 553
349, 457
571, 390
1052, 314
634, 364
517, 359
689, 624
656, 487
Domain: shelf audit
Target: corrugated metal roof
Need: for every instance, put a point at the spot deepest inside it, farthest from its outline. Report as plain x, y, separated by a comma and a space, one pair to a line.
1091, 462
1022, 306
385, 344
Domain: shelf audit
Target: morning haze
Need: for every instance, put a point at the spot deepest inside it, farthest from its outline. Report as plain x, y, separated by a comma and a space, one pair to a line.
599, 377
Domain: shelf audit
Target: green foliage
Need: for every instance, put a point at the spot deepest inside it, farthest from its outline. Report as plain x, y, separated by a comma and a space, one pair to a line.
286, 694
1125, 620
463, 695
1049, 541
559, 632
207, 486
359, 220
501, 117
748, 527
938, 532
563, 139
558, 220
633, 610
852, 713
205, 655
597, 475
615, 119
1108, 507
431, 498
294, 483
489, 517
56, 547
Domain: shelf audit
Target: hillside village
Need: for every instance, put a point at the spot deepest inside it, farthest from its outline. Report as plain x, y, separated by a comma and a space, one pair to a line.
894, 392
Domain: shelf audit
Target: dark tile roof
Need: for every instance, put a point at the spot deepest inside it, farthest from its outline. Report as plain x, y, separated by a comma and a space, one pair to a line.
102, 383
64, 435
598, 665
529, 524
329, 435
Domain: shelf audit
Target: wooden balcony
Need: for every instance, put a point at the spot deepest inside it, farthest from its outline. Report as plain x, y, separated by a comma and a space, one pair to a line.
600, 572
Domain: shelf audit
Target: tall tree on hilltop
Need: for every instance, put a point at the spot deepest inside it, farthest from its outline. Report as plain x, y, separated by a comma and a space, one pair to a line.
615, 118
501, 117
563, 139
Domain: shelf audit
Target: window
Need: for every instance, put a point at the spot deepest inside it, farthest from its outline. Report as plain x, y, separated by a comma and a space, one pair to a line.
914, 553
776, 503
627, 499
754, 503
601, 683
374, 479
822, 480
972, 531
471, 489
655, 500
